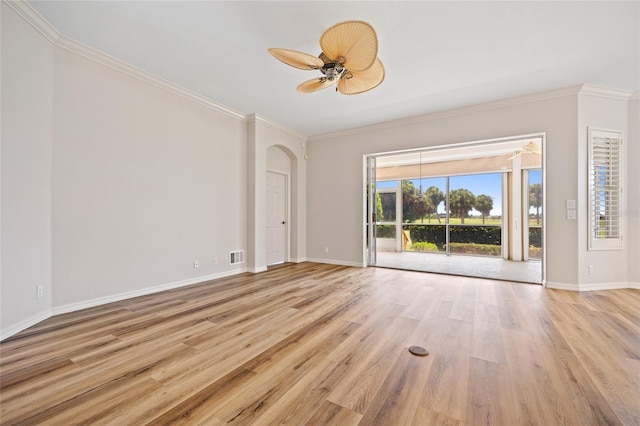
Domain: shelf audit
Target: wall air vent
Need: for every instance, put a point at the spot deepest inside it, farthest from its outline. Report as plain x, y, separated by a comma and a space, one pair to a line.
236, 257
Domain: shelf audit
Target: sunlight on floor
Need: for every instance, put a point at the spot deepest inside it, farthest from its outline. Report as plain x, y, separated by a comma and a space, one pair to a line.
474, 266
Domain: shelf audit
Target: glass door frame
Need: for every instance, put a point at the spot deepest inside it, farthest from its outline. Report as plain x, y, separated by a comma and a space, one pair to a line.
369, 166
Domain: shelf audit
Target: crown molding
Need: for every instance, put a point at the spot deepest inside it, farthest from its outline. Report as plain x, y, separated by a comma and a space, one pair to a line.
31, 16
147, 77
605, 92
255, 118
498, 104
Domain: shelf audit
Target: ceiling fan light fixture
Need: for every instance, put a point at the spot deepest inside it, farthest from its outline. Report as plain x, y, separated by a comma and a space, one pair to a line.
348, 57
363, 81
354, 41
315, 84
297, 59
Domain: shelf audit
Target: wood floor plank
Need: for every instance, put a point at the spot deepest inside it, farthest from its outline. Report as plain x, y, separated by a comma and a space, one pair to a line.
447, 383
490, 395
73, 387
560, 366
399, 396
325, 344
281, 368
300, 401
199, 406
425, 416
608, 374
371, 363
329, 413
530, 404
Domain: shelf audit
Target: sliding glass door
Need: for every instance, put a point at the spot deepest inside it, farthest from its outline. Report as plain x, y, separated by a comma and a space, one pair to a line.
476, 200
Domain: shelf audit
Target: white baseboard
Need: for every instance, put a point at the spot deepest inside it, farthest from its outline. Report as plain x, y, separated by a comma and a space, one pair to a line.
23, 325
303, 259
562, 286
592, 286
72, 307
336, 262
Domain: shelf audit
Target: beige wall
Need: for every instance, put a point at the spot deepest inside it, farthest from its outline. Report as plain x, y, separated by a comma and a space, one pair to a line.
112, 184
335, 175
602, 110
144, 183
278, 160
27, 90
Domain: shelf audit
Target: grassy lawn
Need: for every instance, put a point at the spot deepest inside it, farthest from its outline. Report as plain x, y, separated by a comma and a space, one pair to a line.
471, 221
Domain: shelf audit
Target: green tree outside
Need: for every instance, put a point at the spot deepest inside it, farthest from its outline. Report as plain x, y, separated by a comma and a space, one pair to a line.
433, 197
484, 204
461, 201
535, 199
379, 211
414, 205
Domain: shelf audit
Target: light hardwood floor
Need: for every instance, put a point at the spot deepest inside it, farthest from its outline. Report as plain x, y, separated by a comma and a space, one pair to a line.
321, 344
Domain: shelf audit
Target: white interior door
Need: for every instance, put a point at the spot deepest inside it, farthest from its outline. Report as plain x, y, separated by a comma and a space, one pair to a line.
276, 218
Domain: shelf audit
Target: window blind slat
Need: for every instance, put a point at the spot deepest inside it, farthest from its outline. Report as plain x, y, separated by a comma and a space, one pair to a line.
605, 183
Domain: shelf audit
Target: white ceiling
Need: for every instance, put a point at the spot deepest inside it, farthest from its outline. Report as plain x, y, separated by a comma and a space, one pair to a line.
437, 55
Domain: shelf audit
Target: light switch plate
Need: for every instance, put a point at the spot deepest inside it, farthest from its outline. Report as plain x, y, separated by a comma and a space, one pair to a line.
571, 204
571, 214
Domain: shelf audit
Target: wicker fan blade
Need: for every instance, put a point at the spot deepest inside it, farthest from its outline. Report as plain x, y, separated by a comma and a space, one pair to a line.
354, 41
297, 59
314, 85
361, 81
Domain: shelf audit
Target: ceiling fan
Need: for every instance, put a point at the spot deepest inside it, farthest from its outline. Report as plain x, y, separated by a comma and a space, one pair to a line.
348, 59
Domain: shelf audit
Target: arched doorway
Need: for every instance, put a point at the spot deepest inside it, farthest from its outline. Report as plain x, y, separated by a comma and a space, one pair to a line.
277, 207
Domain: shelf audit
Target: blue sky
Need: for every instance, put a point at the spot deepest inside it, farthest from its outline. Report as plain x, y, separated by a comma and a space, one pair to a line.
487, 184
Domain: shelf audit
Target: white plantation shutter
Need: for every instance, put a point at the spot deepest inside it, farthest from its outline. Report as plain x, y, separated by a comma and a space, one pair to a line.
605, 190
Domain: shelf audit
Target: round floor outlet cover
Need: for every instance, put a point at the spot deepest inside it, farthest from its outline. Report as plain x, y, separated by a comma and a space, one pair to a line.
418, 350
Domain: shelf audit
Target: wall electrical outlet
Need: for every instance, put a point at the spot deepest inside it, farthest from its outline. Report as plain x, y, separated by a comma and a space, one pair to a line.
196, 263
39, 291
590, 269
326, 249
215, 260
